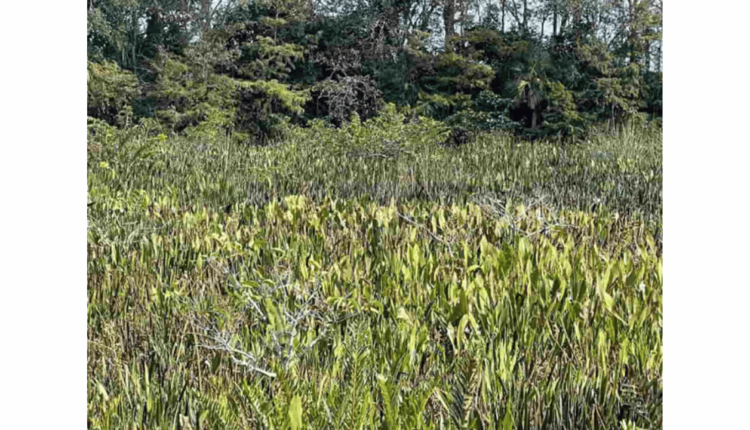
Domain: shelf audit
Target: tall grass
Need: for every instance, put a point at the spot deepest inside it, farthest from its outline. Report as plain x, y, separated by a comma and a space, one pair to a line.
370, 278
383, 161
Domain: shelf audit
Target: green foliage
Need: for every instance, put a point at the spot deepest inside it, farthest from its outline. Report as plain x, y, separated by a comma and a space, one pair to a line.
188, 99
441, 106
340, 97
390, 135
618, 89
352, 56
110, 93
653, 84
116, 30
295, 413
463, 74
561, 118
395, 156
265, 59
262, 105
489, 112
312, 310
358, 273
107, 30
191, 97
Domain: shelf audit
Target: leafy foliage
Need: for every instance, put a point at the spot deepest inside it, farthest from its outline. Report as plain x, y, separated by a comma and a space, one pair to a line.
319, 284
346, 95
600, 64
359, 273
187, 100
110, 93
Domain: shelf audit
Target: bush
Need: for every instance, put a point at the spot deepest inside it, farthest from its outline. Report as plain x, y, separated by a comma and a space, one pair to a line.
387, 135
459, 136
339, 98
110, 93
482, 121
489, 112
561, 117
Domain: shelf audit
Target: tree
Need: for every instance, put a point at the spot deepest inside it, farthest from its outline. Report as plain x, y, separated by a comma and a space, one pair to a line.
248, 66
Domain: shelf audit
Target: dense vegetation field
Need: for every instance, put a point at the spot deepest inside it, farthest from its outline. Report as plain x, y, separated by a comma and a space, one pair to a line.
368, 277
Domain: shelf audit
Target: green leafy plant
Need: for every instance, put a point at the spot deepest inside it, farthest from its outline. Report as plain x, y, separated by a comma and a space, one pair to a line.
249, 287
110, 93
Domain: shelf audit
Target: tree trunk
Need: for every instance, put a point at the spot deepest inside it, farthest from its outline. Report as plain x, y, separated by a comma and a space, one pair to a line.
526, 15
647, 33
632, 31
135, 38
464, 12
502, 20
658, 57
554, 21
182, 7
206, 15
449, 22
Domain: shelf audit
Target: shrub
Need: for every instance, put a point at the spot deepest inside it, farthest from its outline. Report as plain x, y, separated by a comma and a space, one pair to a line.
388, 135
110, 93
561, 117
489, 112
339, 98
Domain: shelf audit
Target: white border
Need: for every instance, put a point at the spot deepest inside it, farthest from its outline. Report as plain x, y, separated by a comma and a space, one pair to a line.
707, 282
43, 216
42, 172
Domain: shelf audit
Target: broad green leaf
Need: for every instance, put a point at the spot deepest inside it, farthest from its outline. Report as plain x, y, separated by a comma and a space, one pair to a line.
295, 413
403, 315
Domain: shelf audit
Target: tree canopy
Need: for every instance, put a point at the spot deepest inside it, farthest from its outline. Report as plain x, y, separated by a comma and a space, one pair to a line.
534, 67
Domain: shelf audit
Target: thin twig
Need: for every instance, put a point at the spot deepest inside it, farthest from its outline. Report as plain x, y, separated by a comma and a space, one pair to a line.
407, 219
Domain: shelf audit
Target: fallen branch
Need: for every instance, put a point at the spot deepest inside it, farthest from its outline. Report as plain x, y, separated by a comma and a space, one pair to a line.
433, 235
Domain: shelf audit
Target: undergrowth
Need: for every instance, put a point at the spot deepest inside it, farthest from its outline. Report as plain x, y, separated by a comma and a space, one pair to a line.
368, 277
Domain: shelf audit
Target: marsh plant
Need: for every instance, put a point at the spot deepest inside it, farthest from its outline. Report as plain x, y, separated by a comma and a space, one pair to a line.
369, 277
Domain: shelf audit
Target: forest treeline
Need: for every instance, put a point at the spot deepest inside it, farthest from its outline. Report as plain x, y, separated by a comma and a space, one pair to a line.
533, 67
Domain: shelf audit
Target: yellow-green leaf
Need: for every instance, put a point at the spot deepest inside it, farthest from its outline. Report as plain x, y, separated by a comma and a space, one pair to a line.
295, 413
